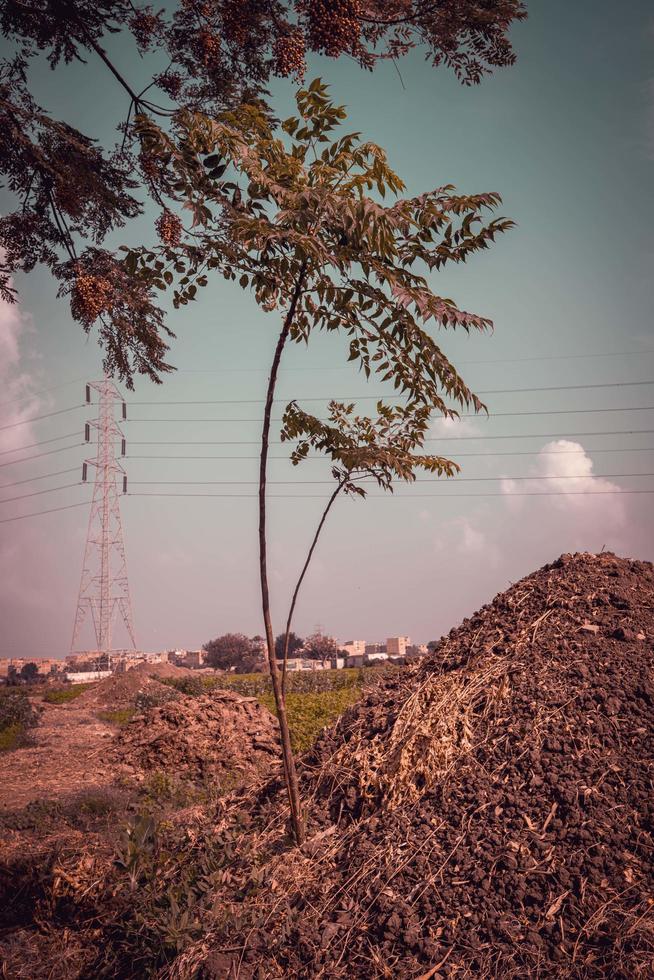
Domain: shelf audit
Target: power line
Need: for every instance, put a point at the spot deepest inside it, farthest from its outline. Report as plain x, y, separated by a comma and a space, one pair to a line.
45, 476
33, 445
37, 418
347, 398
502, 360
377, 496
465, 415
52, 510
519, 452
41, 391
457, 479
38, 493
49, 452
406, 496
531, 435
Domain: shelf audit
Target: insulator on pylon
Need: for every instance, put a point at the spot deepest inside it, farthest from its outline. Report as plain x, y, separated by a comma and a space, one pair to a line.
84, 472
88, 394
123, 447
124, 484
87, 432
124, 410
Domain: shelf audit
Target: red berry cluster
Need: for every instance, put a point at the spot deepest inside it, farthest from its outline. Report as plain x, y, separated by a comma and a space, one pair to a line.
333, 26
143, 25
169, 228
170, 82
289, 54
209, 44
91, 297
236, 23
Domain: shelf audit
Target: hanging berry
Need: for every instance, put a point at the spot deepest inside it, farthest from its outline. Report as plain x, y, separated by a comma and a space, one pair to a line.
333, 26
289, 54
91, 297
169, 228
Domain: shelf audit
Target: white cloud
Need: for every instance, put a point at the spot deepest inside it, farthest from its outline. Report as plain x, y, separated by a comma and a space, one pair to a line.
581, 504
17, 399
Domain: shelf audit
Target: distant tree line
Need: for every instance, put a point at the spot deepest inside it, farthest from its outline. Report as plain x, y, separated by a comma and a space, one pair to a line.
235, 651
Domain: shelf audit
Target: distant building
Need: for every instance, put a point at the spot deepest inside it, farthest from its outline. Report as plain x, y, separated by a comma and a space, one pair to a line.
46, 666
193, 659
371, 657
372, 648
396, 645
86, 676
187, 658
354, 648
295, 664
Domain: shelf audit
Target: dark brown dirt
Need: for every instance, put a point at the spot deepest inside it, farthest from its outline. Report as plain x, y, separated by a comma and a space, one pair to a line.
488, 814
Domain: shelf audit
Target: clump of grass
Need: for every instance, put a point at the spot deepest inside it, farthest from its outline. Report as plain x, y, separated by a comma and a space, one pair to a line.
119, 717
162, 791
61, 695
12, 737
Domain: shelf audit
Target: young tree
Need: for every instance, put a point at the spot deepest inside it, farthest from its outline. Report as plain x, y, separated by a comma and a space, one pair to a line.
69, 191
297, 216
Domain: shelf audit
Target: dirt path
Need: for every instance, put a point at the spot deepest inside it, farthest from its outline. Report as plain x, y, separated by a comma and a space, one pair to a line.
67, 755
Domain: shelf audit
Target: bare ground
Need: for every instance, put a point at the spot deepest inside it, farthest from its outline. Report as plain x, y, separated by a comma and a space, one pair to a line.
68, 754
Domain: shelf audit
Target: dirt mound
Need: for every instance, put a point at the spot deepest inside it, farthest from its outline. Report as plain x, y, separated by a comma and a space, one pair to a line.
162, 670
489, 812
121, 690
219, 737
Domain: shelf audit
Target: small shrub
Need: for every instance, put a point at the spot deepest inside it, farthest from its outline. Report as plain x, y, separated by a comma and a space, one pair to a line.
119, 717
155, 696
61, 695
16, 709
17, 716
12, 737
187, 685
162, 791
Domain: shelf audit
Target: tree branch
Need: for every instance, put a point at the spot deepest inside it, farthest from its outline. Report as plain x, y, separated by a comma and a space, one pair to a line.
303, 573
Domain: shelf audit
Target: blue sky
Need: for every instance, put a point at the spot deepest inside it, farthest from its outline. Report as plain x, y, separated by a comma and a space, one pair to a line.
567, 138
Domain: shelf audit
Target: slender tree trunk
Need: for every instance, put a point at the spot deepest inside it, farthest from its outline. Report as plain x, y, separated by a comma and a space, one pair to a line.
301, 578
290, 772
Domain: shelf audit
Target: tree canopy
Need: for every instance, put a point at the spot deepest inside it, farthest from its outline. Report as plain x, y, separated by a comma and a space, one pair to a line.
231, 651
295, 643
319, 646
70, 191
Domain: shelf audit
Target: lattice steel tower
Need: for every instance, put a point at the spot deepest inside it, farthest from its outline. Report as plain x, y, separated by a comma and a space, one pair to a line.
104, 589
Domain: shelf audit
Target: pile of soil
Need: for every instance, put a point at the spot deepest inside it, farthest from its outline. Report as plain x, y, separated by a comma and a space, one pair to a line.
120, 690
220, 737
488, 812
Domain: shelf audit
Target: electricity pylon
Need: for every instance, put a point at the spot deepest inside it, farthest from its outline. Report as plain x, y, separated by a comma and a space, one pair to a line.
104, 589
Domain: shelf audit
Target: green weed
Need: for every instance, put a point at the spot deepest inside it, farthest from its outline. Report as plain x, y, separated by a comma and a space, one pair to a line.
120, 717
61, 695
